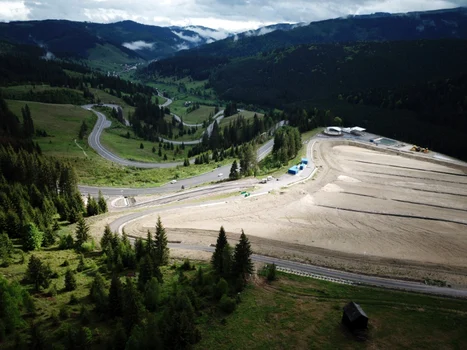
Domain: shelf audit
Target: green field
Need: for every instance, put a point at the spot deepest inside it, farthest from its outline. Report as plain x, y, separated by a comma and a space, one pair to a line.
108, 98
62, 122
247, 115
115, 141
99, 172
302, 313
198, 115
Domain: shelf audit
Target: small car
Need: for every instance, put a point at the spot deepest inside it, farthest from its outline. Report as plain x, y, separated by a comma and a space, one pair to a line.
173, 181
220, 175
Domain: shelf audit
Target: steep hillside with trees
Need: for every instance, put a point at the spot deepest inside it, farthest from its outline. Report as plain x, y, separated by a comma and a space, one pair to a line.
383, 27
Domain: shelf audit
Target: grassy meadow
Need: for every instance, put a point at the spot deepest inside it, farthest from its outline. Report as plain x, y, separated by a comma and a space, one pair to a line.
302, 313
61, 122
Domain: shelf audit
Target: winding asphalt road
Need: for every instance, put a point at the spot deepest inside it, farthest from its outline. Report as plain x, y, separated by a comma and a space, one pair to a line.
211, 176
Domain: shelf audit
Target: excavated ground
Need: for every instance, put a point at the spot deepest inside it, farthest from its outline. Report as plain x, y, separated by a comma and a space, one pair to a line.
365, 211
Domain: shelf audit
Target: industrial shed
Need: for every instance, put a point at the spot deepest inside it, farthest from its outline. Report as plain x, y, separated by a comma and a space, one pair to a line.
354, 317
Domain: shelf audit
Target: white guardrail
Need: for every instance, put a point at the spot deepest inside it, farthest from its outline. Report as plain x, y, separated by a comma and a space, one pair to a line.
315, 276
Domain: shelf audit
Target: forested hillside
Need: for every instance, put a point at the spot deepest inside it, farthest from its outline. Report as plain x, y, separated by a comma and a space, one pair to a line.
318, 71
443, 24
70, 82
418, 84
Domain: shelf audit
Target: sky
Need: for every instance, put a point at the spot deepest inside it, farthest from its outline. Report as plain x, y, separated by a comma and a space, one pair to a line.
229, 15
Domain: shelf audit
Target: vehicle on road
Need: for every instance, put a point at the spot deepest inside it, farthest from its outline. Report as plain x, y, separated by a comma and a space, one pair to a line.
220, 175
173, 181
270, 178
263, 181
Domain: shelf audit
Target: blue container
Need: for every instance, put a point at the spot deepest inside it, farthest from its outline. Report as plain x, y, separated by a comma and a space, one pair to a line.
293, 170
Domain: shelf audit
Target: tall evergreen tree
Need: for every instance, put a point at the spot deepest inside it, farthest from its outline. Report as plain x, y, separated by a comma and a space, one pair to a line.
106, 239
115, 296
70, 280
161, 249
234, 174
38, 273
32, 237
102, 204
82, 232
178, 326
139, 249
28, 124
242, 264
151, 294
147, 270
98, 293
132, 305
6, 249
217, 259
92, 208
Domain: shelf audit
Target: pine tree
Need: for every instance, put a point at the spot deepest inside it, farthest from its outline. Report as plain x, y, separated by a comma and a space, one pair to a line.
132, 306
141, 146
28, 124
146, 271
234, 171
49, 237
217, 259
92, 208
227, 260
115, 296
101, 203
150, 246
70, 280
242, 264
97, 292
178, 323
6, 250
82, 232
151, 294
38, 273
106, 239
139, 249
32, 237
81, 264
161, 249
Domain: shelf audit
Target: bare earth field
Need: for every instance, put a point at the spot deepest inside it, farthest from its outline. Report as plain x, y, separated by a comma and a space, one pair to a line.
365, 211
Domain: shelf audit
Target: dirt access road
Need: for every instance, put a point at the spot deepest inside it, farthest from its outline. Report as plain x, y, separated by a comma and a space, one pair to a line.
366, 211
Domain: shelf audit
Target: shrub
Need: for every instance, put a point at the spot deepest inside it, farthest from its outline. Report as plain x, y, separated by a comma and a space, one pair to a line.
272, 275
186, 266
221, 288
70, 280
66, 242
227, 304
87, 247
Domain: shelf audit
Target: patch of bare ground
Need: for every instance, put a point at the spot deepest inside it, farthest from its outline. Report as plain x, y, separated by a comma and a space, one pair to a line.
365, 211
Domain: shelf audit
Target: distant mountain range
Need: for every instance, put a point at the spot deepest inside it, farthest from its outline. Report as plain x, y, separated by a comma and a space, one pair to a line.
127, 41
441, 24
